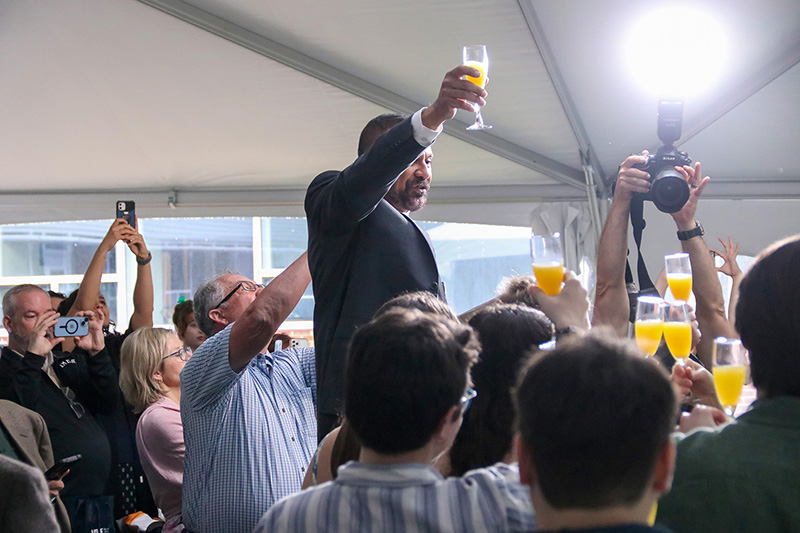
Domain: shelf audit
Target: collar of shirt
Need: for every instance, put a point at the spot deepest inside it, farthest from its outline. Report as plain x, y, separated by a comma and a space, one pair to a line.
396, 475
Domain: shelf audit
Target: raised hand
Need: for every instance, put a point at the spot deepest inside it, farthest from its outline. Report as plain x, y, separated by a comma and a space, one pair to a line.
41, 340
568, 309
455, 93
730, 266
94, 341
631, 180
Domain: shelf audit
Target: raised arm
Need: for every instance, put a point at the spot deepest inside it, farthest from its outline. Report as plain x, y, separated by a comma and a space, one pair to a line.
705, 283
611, 305
731, 268
143, 289
253, 330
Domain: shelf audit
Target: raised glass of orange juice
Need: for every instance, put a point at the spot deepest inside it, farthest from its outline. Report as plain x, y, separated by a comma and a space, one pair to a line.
548, 262
679, 275
649, 323
678, 331
475, 56
730, 371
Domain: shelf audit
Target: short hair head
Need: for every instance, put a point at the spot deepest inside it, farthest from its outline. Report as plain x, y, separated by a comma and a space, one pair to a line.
207, 295
768, 318
421, 300
405, 370
180, 316
10, 297
140, 357
66, 304
594, 416
377, 127
514, 290
508, 334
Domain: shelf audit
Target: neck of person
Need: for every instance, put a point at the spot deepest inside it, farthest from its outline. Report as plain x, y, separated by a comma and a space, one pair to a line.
173, 394
424, 455
549, 518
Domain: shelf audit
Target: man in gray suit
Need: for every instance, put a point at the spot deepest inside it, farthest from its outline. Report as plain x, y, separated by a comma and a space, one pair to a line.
363, 249
24, 505
24, 436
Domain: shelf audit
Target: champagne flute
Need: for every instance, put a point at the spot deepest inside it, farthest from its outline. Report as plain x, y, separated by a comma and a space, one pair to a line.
649, 323
679, 275
548, 262
678, 331
475, 56
730, 369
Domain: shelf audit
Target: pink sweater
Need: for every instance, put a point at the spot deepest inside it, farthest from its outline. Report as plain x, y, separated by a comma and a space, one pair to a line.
159, 438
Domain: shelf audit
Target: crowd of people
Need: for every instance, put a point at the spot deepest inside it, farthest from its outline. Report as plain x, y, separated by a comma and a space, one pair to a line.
531, 412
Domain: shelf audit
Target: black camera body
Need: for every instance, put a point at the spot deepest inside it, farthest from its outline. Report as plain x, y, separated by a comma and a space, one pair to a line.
668, 188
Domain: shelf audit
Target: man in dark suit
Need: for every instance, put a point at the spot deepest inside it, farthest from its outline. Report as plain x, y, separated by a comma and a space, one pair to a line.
29, 442
363, 248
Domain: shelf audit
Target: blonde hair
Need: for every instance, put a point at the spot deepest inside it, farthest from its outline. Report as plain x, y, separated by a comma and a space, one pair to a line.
140, 358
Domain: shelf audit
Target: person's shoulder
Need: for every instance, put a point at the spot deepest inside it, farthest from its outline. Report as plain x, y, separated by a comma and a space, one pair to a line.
293, 356
287, 505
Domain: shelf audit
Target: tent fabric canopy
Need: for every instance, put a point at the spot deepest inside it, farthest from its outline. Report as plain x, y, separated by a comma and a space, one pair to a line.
231, 107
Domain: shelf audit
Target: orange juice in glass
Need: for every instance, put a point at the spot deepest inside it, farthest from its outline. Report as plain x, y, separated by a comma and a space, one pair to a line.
548, 262
649, 323
730, 370
678, 331
475, 56
679, 275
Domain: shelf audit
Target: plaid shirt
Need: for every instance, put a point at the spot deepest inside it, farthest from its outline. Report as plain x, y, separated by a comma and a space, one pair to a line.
249, 435
407, 498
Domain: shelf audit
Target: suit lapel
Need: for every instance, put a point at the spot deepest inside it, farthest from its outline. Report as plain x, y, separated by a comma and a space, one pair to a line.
21, 432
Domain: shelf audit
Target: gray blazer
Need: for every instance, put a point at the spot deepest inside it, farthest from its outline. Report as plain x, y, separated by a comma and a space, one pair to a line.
24, 500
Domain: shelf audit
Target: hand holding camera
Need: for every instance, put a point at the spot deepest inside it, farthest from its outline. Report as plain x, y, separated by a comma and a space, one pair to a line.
41, 341
94, 341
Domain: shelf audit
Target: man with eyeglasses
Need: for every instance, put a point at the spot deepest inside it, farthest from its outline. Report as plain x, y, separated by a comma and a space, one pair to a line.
248, 416
406, 390
67, 389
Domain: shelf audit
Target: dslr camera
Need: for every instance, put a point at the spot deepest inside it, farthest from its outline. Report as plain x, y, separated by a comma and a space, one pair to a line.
668, 188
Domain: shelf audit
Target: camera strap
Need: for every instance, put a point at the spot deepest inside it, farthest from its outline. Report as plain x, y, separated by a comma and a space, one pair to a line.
638, 223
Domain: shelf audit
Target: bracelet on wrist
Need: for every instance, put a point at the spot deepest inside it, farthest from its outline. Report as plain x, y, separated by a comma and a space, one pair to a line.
144, 260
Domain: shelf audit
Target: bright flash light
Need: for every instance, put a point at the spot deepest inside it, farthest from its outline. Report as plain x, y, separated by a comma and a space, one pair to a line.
677, 51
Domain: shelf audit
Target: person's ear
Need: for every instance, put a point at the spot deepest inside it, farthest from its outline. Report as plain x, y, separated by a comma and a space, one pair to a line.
218, 317
157, 376
7, 323
526, 474
665, 468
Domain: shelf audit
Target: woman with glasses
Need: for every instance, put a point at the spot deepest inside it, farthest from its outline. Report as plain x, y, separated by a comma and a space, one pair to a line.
150, 379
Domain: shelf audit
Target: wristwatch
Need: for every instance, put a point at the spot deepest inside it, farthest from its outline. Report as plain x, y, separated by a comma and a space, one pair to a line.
144, 260
694, 232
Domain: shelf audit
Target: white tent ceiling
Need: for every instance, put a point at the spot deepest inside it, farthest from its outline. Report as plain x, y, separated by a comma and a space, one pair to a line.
237, 104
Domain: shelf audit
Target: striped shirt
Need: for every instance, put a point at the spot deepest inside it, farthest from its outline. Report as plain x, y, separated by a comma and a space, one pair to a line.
406, 498
249, 435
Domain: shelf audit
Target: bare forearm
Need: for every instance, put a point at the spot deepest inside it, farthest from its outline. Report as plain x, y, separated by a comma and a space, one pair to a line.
143, 300
254, 328
611, 299
90, 285
734, 299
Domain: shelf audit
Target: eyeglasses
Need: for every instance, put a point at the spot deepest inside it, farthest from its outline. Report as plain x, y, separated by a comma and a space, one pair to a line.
469, 395
183, 354
248, 286
74, 404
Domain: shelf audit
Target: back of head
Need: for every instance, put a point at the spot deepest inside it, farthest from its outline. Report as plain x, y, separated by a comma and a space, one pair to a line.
421, 300
507, 333
514, 290
377, 127
10, 297
140, 356
405, 370
67, 303
594, 415
768, 318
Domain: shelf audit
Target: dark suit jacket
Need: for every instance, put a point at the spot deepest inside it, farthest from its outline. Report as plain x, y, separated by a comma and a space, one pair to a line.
24, 503
29, 435
361, 252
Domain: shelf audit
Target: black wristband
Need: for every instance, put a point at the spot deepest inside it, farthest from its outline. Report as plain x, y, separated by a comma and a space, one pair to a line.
694, 232
145, 260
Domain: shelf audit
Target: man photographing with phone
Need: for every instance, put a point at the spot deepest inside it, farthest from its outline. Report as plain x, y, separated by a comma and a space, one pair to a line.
66, 389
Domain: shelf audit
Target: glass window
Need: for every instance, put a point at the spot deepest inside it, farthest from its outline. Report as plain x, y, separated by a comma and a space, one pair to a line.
283, 241
188, 251
55, 248
474, 258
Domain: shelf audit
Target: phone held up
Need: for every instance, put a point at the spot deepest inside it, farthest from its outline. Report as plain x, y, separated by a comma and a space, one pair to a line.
71, 326
127, 209
58, 470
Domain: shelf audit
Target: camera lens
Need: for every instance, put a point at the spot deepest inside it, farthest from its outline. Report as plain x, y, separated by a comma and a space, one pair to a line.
669, 191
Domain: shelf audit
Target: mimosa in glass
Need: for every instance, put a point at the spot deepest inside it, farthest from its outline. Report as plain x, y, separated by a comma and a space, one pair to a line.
678, 331
649, 323
548, 262
679, 275
475, 56
730, 370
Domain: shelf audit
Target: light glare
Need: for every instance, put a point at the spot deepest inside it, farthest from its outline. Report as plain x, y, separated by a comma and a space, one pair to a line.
677, 51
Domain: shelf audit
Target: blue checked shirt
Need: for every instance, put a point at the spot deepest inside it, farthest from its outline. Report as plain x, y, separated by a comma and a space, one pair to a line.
249, 435
406, 498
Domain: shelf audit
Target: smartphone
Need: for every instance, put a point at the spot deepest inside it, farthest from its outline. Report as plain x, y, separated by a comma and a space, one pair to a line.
71, 326
127, 209
62, 465
299, 343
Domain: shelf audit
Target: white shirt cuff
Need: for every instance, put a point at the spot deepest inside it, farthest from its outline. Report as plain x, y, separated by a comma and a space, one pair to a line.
424, 136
